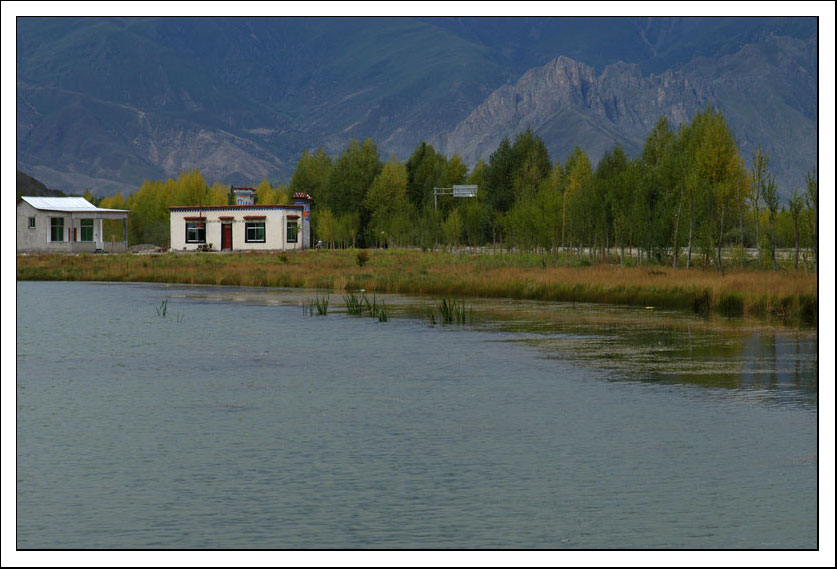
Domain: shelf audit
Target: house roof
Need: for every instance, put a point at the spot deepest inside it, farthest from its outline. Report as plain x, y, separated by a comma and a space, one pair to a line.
67, 204
243, 207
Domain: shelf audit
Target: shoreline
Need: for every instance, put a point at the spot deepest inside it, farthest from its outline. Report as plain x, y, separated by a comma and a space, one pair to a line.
787, 296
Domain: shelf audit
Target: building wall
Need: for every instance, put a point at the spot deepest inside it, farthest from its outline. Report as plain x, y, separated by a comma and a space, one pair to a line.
275, 220
37, 239
32, 239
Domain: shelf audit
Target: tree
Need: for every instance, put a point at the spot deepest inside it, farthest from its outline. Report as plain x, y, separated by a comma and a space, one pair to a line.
499, 177
91, 198
719, 165
386, 200
607, 182
351, 178
452, 228
325, 226
759, 175
424, 172
530, 164
795, 205
474, 219
812, 201
265, 193
578, 174
771, 200
312, 176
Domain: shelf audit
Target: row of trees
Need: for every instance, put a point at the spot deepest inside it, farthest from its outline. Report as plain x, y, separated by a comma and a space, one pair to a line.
689, 197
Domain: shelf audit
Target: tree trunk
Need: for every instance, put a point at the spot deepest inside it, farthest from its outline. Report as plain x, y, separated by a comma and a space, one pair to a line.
796, 235
740, 222
677, 224
758, 238
691, 230
721, 237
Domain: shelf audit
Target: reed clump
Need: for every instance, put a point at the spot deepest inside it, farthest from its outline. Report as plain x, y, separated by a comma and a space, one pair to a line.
318, 305
356, 304
454, 312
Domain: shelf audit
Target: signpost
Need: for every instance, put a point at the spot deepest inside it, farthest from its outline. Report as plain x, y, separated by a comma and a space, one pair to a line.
457, 191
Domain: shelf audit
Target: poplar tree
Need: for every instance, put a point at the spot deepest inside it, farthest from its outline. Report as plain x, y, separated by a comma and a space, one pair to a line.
795, 205
812, 201
387, 201
312, 175
771, 200
758, 173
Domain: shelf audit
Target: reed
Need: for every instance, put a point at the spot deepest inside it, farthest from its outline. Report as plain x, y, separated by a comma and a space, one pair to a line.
454, 312
317, 304
354, 303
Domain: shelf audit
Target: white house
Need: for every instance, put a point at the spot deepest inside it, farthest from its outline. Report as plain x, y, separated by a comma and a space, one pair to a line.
253, 227
71, 225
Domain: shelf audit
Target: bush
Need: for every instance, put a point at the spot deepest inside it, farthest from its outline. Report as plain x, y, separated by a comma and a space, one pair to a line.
702, 302
362, 258
731, 304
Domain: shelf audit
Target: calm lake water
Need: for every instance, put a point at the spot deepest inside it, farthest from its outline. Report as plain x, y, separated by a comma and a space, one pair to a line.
238, 421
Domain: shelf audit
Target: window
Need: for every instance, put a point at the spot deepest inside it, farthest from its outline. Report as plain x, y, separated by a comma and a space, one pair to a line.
254, 232
56, 229
195, 232
31, 223
293, 229
87, 230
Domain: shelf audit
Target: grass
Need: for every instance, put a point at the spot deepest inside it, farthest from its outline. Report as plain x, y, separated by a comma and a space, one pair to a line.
773, 295
317, 304
453, 312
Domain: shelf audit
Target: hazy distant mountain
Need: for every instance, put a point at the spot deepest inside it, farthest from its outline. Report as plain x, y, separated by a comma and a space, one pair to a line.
104, 103
764, 90
28, 186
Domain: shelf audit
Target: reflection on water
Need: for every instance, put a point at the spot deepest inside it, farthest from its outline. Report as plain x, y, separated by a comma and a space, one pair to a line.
634, 344
238, 421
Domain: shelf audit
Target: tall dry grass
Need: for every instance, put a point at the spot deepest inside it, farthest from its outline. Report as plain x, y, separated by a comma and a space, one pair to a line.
784, 295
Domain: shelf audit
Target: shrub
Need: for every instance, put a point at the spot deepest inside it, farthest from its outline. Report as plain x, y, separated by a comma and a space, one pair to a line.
731, 304
702, 302
362, 258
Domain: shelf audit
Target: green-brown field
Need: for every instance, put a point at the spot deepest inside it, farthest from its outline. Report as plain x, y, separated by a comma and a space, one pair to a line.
776, 295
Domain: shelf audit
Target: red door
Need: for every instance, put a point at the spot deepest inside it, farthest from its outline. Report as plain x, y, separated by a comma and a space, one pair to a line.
226, 236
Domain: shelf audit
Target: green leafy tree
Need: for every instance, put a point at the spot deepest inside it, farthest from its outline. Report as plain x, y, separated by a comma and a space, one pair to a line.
312, 176
499, 177
351, 178
759, 176
452, 228
425, 170
325, 226
812, 203
577, 202
771, 201
795, 207
387, 202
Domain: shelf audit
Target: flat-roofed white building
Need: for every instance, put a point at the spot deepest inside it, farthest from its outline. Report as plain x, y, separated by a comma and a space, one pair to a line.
249, 227
70, 225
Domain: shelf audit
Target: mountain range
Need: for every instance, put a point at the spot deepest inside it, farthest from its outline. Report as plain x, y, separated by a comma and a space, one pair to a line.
104, 103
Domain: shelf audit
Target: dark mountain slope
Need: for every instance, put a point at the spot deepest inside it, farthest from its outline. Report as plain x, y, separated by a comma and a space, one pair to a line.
764, 90
105, 102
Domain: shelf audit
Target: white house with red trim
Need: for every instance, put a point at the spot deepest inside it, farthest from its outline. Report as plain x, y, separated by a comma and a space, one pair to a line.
245, 227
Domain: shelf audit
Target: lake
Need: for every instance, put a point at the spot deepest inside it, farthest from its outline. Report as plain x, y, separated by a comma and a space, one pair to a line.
171, 417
